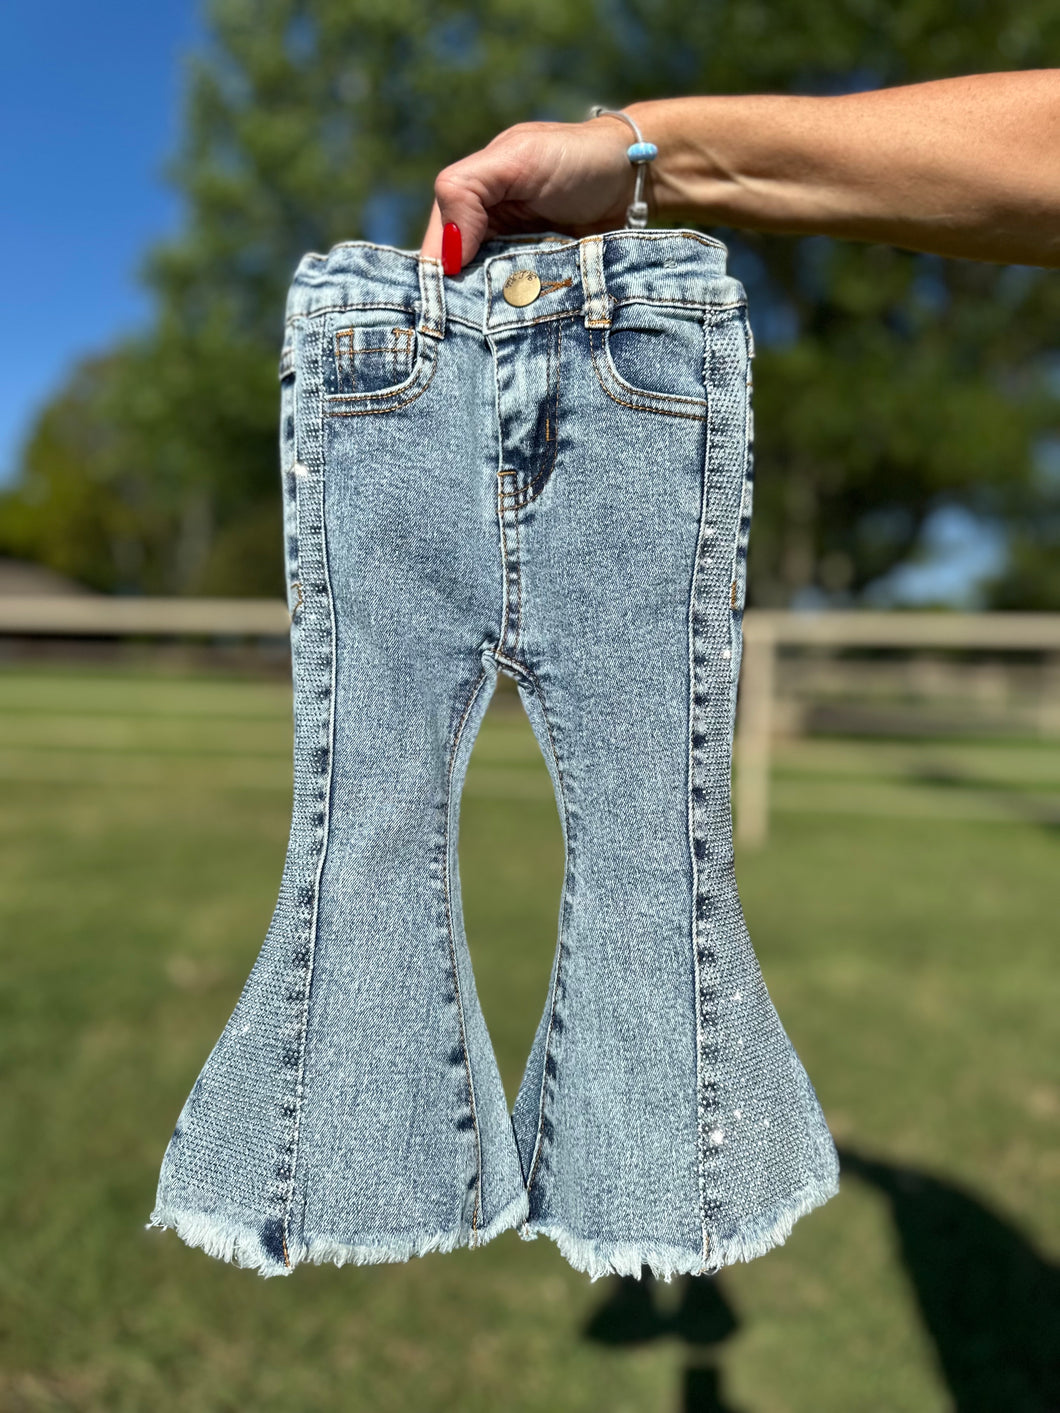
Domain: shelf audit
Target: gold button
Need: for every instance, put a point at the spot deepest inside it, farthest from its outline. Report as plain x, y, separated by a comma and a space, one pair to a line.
521, 287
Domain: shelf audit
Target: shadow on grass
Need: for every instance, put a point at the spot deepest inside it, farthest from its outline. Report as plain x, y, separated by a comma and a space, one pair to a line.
989, 1300
701, 1321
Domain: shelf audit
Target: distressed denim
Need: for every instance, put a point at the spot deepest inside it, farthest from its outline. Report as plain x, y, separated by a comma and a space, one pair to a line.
559, 490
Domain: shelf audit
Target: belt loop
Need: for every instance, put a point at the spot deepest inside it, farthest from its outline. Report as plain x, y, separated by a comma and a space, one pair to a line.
596, 308
432, 296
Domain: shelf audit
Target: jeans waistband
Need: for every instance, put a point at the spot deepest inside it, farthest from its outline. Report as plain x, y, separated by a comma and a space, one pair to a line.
586, 276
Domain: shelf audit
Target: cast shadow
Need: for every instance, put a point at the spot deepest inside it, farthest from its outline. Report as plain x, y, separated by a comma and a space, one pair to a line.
701, 1320
988, 1299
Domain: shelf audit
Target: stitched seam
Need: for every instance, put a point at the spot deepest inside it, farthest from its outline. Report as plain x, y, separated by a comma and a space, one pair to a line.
643, 406
742, 529
706, 580
671, 235
523, 496
665, 302
691, 813
477, 328
737, 536
532, 676
326, 833
526, 323
454, 747
404, 347
518, 584
350, 309
511, 613
501, 473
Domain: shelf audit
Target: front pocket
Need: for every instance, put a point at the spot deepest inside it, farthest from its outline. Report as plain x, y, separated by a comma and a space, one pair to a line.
658, 350
368, 358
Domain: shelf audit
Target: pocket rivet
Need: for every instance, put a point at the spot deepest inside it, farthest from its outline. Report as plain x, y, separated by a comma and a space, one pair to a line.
521, 287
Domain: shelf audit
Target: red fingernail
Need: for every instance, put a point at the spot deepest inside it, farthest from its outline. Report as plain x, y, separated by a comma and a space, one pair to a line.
452, 248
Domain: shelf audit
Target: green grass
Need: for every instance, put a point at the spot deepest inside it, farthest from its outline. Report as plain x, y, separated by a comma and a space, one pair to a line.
142, 832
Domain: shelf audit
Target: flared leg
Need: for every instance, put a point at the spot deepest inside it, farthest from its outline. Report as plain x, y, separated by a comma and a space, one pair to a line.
353, 1110
664, 1117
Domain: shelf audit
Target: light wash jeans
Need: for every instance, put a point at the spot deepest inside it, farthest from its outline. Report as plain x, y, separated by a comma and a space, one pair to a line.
560, 490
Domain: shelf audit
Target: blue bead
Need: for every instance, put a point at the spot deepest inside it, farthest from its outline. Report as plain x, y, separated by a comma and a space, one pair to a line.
642, 151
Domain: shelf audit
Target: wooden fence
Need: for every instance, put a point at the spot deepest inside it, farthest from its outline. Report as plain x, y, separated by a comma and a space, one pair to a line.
765, 633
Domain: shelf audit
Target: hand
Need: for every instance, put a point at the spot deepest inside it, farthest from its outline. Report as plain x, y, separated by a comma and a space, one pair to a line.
569, 177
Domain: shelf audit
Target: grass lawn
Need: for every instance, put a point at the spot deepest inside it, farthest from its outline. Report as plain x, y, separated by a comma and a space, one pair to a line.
143, 821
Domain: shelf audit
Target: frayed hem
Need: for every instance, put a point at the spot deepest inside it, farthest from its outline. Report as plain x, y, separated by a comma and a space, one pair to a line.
238, 1245
750, 1240
759, 1234
323, 1252
616, 1258
243, 1246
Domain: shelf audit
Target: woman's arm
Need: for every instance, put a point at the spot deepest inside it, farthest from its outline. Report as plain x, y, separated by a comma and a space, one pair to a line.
962, 167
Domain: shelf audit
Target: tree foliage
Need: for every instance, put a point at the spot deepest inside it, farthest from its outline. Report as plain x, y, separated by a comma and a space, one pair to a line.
886, 383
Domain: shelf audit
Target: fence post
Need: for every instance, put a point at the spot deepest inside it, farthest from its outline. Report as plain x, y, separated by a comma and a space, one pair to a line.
754, 730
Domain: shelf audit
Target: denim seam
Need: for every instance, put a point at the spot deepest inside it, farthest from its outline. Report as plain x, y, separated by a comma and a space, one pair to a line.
574, 313
316, 382
349, 309
454, 747
710, 814
701, 538
528, 323
673, 235
532, 678
508, 554
736, 599
511, 553
522, 496
642, 406
502, 471
665, 302
518, 582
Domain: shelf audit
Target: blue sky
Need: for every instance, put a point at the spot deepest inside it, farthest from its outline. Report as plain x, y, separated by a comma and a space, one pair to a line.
89, 111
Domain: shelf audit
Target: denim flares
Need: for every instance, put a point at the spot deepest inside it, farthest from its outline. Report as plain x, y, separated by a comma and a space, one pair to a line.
541, 466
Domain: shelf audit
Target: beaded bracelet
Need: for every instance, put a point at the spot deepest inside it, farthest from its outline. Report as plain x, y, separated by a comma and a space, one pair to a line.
640, 153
